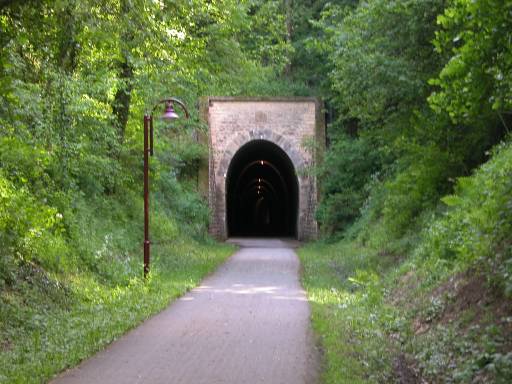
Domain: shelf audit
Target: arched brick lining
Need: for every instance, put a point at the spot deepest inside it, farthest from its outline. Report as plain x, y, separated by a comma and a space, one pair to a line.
243, 138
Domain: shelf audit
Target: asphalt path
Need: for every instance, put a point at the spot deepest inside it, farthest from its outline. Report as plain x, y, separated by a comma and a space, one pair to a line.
247, 323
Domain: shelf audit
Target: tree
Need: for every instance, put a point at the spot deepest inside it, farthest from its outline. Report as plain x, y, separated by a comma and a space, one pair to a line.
477, 78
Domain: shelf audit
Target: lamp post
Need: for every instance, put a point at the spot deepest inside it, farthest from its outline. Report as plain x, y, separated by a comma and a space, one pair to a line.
169, 114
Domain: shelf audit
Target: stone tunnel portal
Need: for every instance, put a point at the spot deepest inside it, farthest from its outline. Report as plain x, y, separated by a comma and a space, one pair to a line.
288, 135
262, 192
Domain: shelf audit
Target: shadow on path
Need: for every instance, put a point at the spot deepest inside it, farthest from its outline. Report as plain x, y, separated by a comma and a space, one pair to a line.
247, 323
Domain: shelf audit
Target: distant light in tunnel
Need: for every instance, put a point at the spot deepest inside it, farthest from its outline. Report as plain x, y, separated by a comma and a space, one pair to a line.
272, 210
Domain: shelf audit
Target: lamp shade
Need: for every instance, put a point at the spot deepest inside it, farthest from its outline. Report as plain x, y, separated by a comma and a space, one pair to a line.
169, 113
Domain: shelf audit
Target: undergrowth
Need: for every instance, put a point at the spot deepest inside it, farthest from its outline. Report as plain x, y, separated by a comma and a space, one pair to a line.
42, 337
51, 322
71, 268
431, 305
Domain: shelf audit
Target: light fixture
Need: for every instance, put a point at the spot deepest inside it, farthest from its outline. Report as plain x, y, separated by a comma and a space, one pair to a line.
169, 114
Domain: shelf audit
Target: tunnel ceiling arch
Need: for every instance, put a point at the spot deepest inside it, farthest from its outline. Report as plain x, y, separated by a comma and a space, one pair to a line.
261, 192
243, 131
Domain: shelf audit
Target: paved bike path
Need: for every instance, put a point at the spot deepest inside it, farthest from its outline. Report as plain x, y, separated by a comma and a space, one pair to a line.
247, 323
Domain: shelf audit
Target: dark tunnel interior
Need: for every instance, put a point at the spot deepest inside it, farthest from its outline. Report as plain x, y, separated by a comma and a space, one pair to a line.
262, 192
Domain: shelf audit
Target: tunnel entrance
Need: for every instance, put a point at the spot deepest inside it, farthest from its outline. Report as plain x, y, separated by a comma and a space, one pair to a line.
262, 192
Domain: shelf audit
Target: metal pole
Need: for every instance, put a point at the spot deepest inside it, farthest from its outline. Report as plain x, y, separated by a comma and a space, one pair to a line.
148, 151
147, 122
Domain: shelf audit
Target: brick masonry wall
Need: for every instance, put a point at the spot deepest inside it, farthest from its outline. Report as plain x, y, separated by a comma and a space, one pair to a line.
296, 125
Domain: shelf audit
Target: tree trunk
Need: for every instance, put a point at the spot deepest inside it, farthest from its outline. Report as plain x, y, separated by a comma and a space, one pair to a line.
122, 99
123, 96
68, 46
288, 4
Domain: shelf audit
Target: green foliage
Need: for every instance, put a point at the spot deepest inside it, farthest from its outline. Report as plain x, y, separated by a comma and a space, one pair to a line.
267, 40
46, 329
382, 60
433, 100
346, 169
473, 357
478, 76
415, 189
308, 64
477, 223
382, 57
29, 230
76, 77
445, 305
348, 312
23, 163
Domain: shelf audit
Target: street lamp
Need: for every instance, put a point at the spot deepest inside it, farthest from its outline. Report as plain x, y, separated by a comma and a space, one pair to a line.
169, 114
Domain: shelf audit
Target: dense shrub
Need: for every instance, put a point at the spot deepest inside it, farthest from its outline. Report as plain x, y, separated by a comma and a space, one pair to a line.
347, 167
30, 231
478, 220
414, 189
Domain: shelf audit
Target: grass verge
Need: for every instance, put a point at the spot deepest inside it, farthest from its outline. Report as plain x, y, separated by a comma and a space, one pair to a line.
348, 312
380, 319
48, 324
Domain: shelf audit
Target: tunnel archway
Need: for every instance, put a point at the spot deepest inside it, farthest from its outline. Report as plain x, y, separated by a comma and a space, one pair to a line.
262, 192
